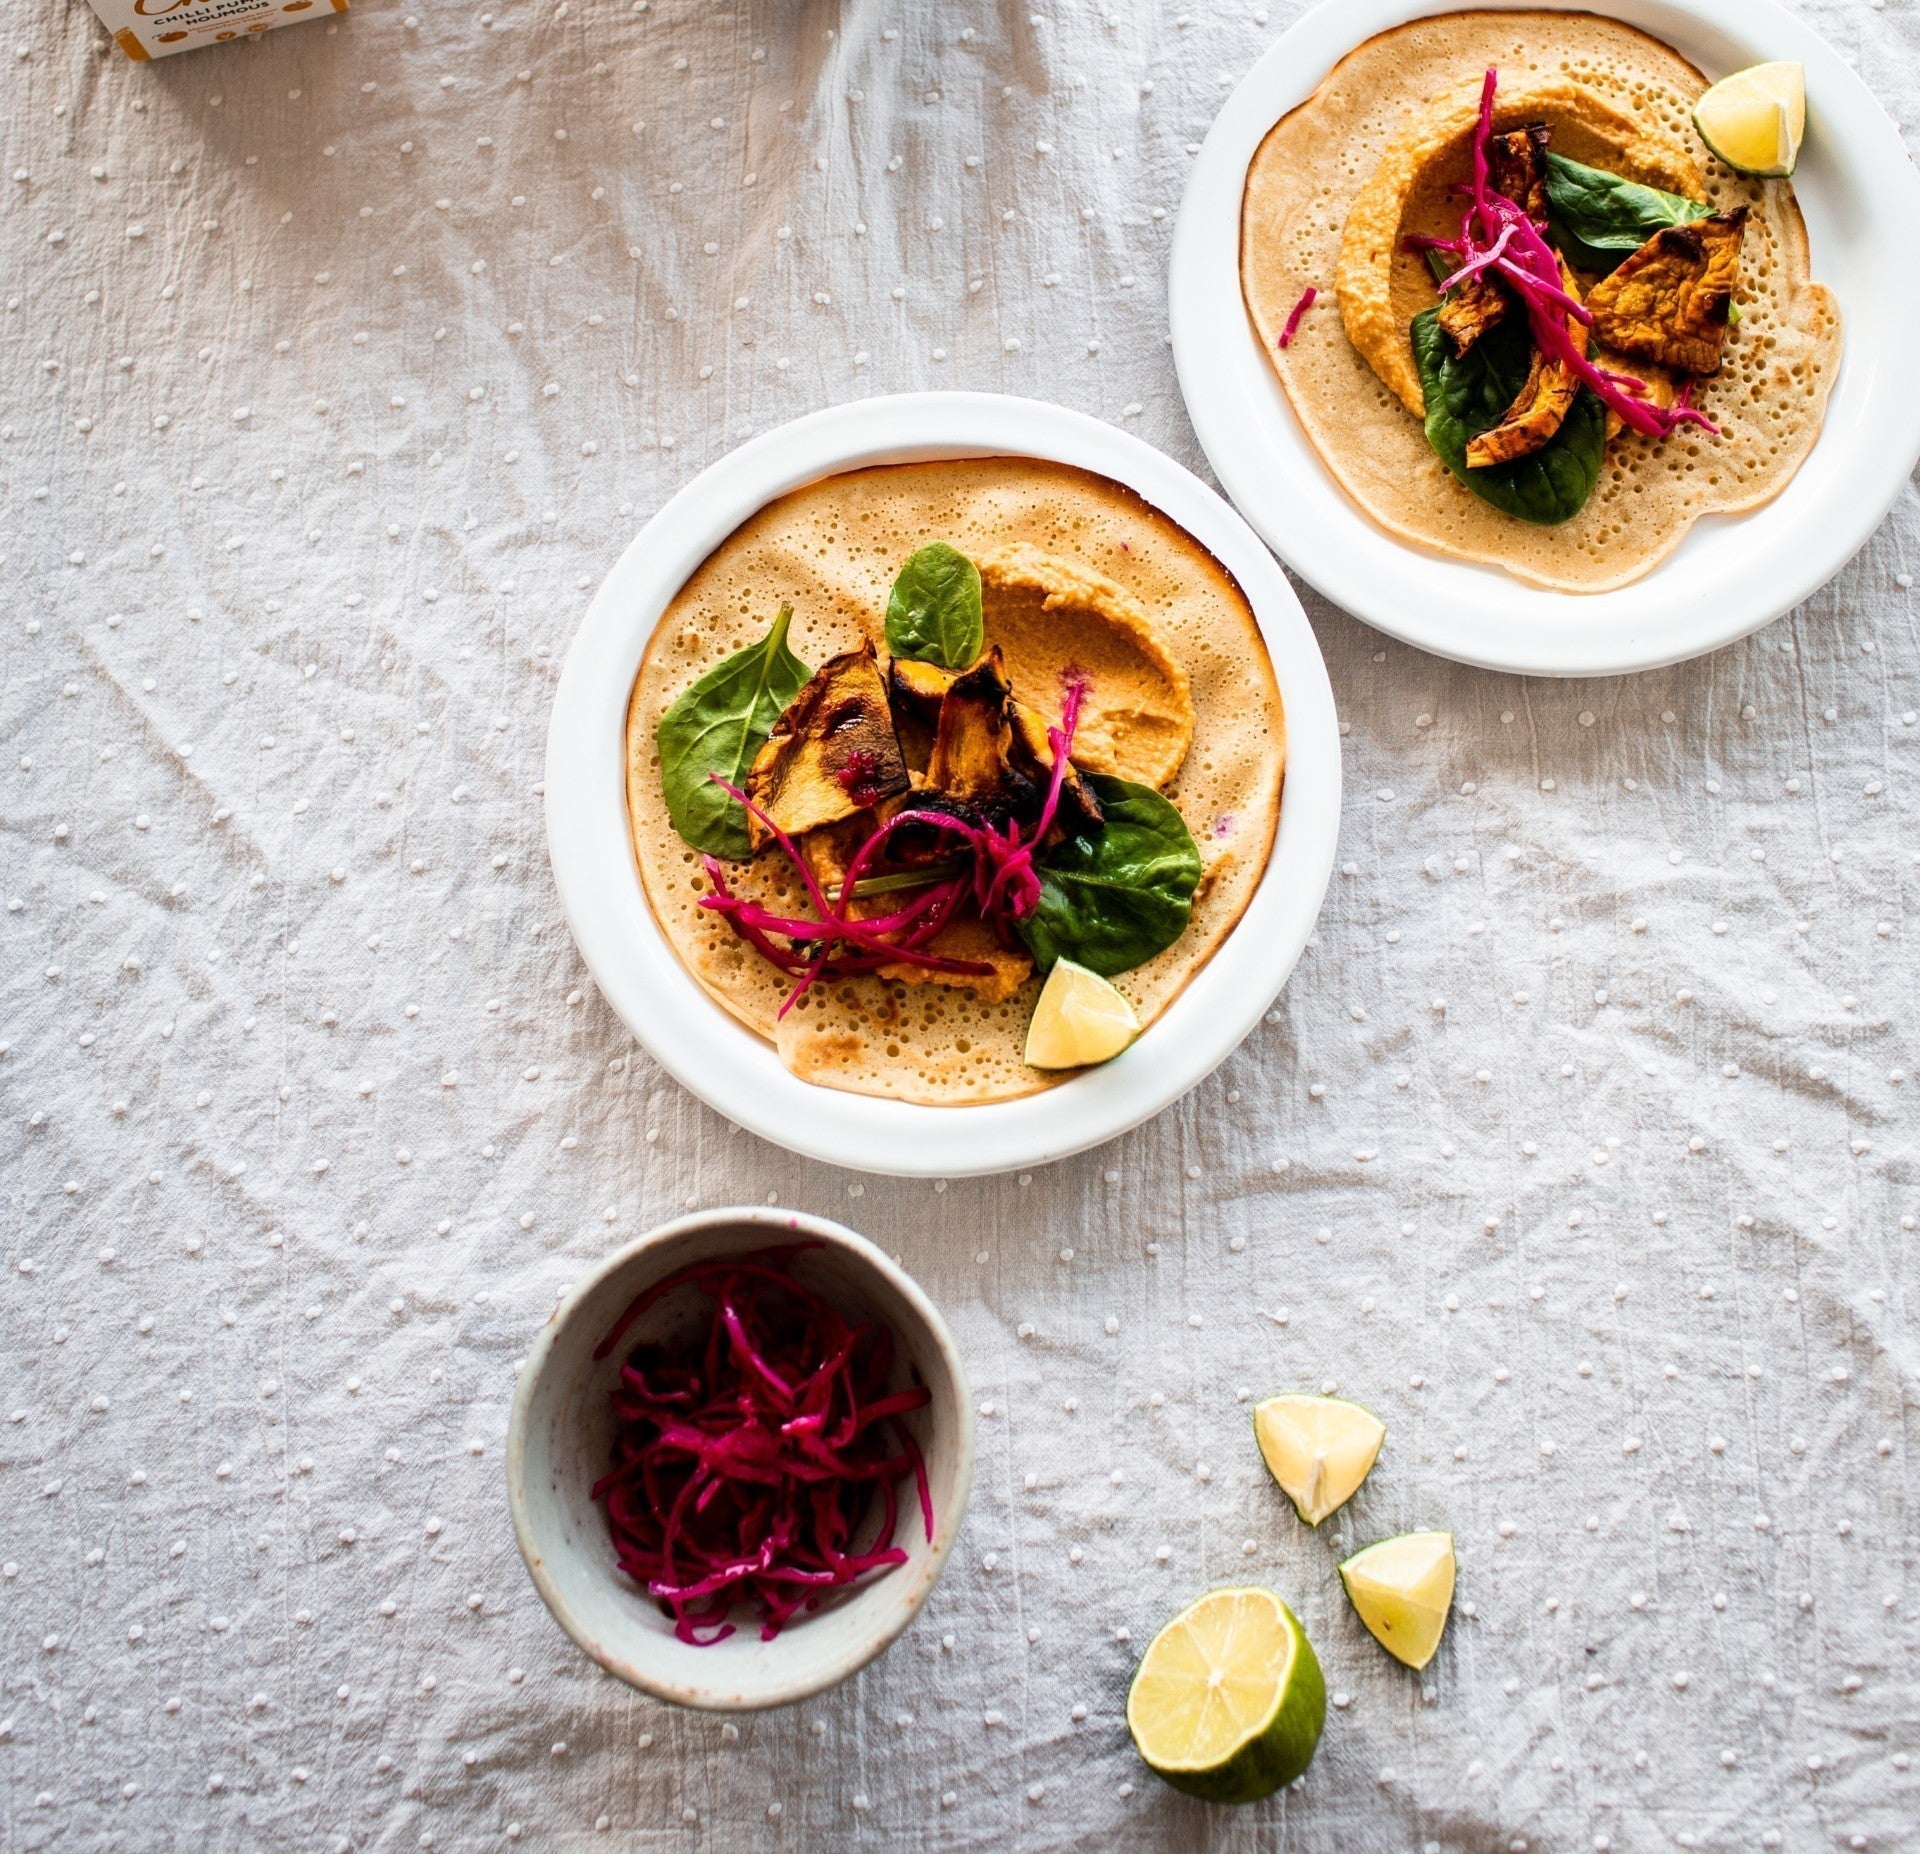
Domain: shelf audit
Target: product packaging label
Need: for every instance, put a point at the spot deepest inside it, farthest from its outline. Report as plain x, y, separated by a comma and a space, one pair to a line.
146, 29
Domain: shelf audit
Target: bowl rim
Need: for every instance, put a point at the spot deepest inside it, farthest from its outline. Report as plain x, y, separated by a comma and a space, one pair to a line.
715, 1056
1729, 575
774, 1222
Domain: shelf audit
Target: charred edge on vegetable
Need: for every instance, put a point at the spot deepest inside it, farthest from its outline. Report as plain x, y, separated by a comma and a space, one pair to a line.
1671, 300
832, 753
1517, 171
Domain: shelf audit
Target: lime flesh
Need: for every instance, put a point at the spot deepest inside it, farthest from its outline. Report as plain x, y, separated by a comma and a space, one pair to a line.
1755, 119
1079, 1020
1402, 1589
1228, 1701
1318, 1448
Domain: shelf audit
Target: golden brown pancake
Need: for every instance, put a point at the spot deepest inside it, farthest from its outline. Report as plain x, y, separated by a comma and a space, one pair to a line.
1369, 157
1175, 656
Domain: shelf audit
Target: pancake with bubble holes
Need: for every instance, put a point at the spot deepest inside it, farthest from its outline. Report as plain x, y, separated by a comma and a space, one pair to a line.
833, 549
1617, 99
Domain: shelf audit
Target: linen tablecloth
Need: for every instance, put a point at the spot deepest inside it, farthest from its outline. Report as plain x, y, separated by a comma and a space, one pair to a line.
337, 369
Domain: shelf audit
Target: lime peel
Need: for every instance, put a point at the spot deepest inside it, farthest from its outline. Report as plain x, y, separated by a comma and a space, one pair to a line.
1079, 1020
1228, 1701
1318, 1448
1756, 119
1402, 1589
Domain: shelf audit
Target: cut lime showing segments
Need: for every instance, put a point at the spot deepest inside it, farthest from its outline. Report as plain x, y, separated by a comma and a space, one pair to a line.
1402, 1589
1080, 1019
1756, 119
1318, 1448
1228, 1701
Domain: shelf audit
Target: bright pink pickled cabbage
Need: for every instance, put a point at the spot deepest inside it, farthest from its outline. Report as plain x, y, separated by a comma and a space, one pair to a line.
748, 1454
1497, 235
1308, 297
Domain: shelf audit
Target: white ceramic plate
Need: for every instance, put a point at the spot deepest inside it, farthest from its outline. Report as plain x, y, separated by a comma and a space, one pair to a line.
1731, 574
711, 1053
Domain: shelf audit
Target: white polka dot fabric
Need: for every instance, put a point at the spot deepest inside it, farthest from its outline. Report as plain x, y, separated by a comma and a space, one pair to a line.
335, 370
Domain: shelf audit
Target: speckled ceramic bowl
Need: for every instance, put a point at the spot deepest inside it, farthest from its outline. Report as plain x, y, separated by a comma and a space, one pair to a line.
560, 1440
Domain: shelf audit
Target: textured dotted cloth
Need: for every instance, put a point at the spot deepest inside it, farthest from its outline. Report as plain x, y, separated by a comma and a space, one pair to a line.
335, 370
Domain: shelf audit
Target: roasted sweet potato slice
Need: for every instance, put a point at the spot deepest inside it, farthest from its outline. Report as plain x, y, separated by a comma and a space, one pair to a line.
831, 754
1469, 309
1670, 301
972, 737
1032, 755
917, 689
1517, 170
919, 692
1540, 405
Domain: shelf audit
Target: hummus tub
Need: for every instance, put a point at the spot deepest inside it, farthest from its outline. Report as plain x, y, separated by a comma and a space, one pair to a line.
707, 1047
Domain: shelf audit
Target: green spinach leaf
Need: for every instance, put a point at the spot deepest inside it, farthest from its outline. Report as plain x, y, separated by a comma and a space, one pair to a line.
717, 726
1602, 218
1470, 393
933, 614
1111, 898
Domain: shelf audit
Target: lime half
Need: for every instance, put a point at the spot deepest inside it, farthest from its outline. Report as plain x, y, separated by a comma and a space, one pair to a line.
1402, 1589
1228, 1701
1079, 1020
1755, 119
1318, 1448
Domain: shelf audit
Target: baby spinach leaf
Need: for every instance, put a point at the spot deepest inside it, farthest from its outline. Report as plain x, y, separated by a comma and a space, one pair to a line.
717, 726
1603, 218
1470, 393
933, 613
1112, 897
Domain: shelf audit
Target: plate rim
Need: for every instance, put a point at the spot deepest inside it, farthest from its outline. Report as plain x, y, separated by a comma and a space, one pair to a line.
1480, 615
706, 1049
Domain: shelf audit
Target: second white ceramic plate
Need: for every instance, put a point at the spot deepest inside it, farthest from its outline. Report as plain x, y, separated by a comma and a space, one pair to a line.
719, 1058
1731, 574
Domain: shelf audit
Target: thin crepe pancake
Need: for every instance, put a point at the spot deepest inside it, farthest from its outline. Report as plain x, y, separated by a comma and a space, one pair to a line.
833, 549
1617, 99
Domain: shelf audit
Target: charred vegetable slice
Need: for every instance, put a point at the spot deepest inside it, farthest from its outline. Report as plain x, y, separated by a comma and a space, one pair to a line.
1542, 404
917, 689
1671, 301
971, 741
1516, 170
1032, 755
999, 971
1467, 394
832, 753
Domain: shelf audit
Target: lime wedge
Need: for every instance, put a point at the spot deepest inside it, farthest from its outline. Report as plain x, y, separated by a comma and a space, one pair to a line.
1318, 1448
1080, 1019
1402, 1589
1755, 119
1228, 1700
